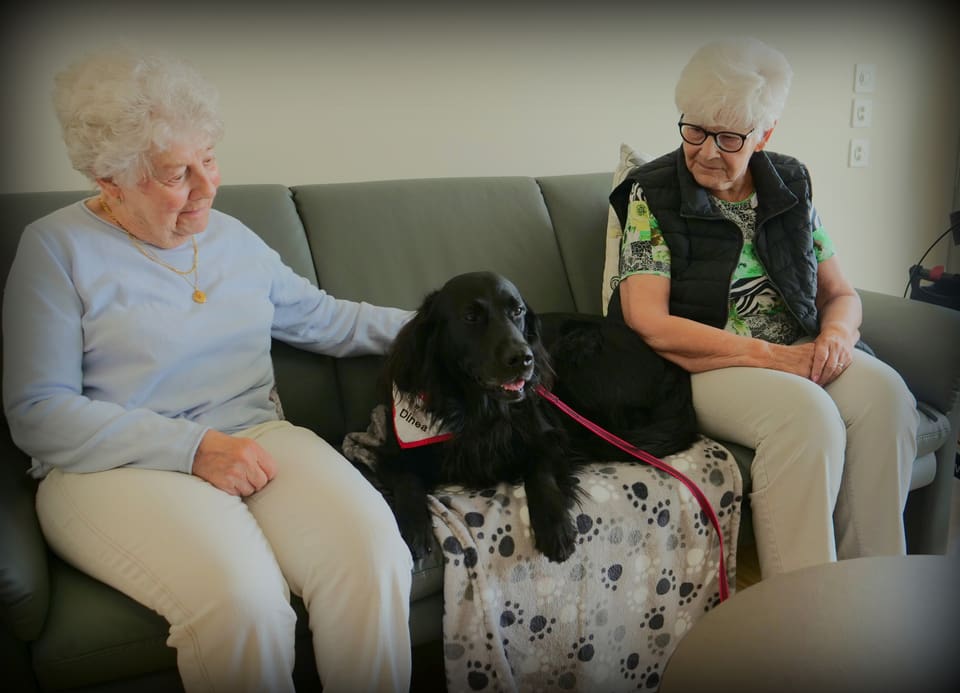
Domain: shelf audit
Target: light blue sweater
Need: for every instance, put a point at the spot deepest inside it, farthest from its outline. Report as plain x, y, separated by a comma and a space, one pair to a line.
109, 362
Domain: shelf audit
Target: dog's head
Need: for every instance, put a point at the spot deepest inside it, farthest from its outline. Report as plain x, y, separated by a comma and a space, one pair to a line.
475, 336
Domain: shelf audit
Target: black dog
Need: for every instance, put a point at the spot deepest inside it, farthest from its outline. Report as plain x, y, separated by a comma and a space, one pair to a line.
461, 378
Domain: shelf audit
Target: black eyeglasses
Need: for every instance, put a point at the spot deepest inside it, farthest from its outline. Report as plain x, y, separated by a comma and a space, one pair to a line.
730, 142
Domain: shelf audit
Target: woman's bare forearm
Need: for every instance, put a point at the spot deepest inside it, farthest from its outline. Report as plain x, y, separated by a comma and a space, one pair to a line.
697, 347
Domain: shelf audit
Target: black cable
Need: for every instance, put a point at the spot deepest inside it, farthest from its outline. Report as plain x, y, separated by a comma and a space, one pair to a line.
917, 267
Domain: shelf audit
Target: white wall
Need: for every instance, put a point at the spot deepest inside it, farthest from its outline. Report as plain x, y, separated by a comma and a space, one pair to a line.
313, 95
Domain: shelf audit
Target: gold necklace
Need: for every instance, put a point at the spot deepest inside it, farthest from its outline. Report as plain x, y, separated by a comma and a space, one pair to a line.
198, 295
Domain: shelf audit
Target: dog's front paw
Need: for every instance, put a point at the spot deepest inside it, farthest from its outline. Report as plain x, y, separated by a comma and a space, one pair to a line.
419, 537
557, 542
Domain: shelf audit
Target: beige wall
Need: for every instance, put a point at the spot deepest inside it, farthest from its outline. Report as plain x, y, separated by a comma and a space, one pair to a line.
310, 95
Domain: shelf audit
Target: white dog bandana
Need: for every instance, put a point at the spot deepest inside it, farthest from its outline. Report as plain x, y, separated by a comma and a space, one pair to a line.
413, 424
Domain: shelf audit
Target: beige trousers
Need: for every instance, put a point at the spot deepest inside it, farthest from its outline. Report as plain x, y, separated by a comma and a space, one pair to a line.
833, 465
220, 569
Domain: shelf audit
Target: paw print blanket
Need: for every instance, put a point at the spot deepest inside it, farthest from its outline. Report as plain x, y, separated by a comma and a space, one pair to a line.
609, 617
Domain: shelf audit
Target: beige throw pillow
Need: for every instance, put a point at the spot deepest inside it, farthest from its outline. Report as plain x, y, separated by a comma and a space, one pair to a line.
629, 160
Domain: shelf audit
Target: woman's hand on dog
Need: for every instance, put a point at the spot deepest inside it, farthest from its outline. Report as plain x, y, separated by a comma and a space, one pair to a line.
238, 466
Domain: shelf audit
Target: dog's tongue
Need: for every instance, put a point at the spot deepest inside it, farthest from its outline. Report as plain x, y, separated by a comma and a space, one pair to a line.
515, 386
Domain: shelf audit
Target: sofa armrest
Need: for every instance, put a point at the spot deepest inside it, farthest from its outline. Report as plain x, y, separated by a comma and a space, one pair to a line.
24, 573
920, 340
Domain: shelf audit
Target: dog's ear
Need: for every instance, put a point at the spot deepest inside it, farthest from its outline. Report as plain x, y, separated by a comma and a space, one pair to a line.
413, 352
533, 334
531, 325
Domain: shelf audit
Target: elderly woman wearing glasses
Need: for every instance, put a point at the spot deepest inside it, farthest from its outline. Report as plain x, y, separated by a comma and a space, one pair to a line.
727, 270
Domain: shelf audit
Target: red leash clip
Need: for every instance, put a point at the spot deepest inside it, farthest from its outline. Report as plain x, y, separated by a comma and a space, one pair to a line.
656, 462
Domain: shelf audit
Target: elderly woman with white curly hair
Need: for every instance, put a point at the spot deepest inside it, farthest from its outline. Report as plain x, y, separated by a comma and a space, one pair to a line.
727, 270
137, 327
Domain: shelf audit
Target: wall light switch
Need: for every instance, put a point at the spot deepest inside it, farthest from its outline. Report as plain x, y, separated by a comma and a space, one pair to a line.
859, 153
864, 77
861, 115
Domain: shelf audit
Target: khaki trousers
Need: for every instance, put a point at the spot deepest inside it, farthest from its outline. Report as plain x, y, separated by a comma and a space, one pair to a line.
220, 569
832, 468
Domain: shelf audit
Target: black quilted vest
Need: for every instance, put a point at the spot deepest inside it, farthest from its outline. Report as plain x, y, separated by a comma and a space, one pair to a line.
705, 246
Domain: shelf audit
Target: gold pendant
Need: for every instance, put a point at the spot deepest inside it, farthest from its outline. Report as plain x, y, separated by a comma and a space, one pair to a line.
199, 296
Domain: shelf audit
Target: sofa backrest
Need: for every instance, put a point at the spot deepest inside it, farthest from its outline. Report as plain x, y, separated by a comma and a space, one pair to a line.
579, 208
391, 242
16, 211
308, 382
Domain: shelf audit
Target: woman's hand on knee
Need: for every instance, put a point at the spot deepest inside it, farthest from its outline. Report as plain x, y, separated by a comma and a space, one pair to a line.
833, 353
238, 466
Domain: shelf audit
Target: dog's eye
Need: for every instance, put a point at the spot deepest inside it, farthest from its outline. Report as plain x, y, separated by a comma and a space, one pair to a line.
471, 316
518, 311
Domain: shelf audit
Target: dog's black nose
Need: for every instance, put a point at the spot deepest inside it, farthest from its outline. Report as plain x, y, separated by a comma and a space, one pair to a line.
521, 357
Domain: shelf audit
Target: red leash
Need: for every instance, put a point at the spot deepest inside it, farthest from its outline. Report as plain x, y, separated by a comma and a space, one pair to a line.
656, 462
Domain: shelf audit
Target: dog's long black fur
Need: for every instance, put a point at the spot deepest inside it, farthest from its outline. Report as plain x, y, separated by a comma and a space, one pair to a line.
475, 351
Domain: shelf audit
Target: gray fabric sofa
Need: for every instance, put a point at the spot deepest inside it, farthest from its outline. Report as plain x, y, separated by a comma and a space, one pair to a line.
390, 242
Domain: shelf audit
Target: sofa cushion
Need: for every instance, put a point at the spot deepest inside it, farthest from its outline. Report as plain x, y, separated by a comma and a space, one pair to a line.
306, 382
629, 160
19, 209
94, 634
24, 582
911, 348
933, 431
391, 242
578, 209
269, 210
24, 572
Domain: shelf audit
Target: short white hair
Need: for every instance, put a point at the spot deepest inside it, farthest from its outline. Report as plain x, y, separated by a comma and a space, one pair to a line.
739, 83
116, 107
